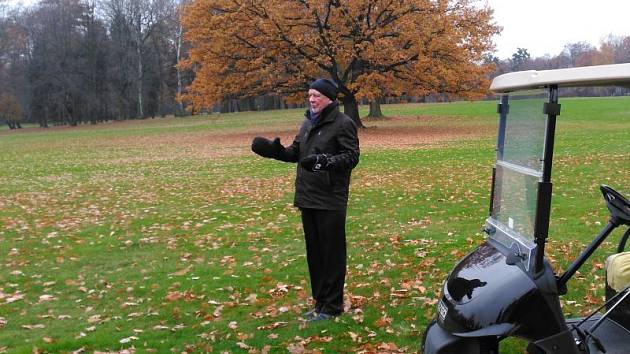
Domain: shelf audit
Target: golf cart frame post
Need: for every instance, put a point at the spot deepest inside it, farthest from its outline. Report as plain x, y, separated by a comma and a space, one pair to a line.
543, 207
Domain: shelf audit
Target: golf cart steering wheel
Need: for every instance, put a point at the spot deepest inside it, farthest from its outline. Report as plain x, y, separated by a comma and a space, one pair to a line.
618, 205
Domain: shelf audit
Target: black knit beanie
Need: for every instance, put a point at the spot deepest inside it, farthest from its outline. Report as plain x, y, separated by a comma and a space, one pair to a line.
326, 87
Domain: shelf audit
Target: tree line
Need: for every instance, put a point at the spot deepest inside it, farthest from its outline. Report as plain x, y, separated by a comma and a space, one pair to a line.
612, 50
74, 61
71, 62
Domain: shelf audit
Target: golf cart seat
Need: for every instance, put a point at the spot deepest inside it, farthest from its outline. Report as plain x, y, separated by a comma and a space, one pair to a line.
618, 264
617, 280
618, 271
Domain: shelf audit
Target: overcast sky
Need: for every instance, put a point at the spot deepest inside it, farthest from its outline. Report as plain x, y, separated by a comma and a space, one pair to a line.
545, 26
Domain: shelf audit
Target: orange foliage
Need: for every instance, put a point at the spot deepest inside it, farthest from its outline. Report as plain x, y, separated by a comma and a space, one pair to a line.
371, 48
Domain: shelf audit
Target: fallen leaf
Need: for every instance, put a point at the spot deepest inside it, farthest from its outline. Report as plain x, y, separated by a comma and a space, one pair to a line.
15, 297
382, 322
388, 346
35, 326
46, 297
251, 298
128, 339
273, 326
182, 271
296, 348
353, 336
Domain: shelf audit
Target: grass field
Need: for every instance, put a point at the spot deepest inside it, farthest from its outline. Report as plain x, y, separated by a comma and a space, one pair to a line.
169, 235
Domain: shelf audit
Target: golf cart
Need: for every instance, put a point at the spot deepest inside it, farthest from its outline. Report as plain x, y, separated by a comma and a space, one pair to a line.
506, 287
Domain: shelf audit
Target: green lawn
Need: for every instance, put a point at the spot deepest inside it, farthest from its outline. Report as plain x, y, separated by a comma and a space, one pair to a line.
168, 235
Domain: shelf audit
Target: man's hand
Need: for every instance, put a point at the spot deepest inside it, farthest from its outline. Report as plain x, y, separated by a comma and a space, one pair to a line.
267, 148
315, 162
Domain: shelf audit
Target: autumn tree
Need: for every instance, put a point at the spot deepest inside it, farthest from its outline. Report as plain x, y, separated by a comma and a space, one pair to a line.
11, 111
371, 48
614, 49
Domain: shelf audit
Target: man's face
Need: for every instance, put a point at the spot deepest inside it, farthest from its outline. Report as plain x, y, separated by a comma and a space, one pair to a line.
317, 100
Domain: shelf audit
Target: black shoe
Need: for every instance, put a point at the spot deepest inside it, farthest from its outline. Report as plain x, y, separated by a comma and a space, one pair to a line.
320, 316
308, 315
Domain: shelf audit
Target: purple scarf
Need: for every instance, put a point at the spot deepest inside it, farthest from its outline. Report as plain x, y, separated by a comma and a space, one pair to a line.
314, 117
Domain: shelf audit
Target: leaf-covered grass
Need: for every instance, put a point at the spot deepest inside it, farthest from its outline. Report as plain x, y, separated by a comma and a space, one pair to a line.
168, 235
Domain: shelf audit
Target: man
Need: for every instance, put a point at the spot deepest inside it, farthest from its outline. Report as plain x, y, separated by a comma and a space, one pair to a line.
327, 149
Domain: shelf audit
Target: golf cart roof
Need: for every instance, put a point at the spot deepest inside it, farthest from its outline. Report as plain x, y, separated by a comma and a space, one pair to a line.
600, 75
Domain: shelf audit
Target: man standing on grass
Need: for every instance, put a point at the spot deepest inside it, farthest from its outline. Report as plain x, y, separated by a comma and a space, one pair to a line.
327, 149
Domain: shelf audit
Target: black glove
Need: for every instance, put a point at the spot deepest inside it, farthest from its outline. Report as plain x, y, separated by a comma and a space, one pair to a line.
315, 162
267, 148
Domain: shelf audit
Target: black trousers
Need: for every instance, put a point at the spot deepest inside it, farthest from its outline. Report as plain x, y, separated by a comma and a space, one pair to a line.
325, 236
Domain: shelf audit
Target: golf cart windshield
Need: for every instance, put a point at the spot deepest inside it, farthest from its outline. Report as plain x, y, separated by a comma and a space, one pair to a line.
521, 185
518, 169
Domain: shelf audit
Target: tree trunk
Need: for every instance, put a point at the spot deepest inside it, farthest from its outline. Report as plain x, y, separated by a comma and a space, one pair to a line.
139, 78
279, 103
225, 106
351, 109
375, 109
180, 86
43, 118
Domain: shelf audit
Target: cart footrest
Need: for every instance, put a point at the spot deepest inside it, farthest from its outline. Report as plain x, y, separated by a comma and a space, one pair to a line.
614, 337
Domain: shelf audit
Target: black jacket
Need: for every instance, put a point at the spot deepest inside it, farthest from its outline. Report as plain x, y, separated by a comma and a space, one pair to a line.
334, 134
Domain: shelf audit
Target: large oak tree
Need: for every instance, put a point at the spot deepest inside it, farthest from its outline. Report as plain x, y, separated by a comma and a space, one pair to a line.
371, 48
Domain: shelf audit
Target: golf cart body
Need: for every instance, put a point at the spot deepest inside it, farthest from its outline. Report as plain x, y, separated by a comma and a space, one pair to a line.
506, 286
